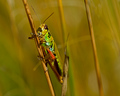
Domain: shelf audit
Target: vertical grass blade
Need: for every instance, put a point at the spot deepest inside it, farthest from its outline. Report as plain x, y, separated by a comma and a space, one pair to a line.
62, 18
94, 48
65, 66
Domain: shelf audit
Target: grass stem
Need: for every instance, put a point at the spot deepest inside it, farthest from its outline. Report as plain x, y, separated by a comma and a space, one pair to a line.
66, 61
94, 48
39, 48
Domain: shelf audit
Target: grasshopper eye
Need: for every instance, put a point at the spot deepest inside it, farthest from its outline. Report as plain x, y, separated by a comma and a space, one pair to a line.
46, 27
39, 29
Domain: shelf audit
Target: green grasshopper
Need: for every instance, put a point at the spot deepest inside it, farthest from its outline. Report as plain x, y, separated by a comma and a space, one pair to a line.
50, 51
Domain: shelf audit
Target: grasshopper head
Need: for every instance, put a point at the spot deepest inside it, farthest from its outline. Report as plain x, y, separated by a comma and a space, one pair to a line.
43, 28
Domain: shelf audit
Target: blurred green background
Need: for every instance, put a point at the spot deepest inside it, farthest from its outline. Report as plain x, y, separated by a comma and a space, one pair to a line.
18, 54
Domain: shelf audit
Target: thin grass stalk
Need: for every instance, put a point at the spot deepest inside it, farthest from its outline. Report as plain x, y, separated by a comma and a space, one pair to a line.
39, 48
112, 27
66, 61
94, 48
115, 35
65, 74
62, 18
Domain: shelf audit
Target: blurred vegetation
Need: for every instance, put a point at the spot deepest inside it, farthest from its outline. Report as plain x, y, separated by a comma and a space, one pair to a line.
18, 55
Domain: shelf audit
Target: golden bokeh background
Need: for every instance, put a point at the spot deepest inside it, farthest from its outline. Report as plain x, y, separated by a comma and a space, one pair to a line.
18, 54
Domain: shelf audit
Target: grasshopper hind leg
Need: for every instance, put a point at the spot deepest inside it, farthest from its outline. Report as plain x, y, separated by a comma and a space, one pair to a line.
57, 67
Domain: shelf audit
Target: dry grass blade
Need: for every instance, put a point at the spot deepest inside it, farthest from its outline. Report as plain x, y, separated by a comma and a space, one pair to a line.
94, 48
37, 45
65, 74
65, 66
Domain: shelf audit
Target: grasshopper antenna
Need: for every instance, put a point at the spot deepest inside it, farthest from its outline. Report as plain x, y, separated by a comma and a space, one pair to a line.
48, 17
35, 13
